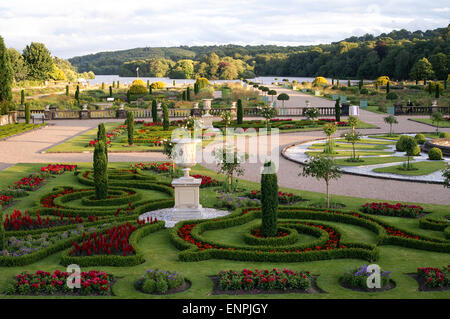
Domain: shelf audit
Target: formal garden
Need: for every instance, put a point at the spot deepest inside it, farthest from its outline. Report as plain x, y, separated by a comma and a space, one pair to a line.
276, 242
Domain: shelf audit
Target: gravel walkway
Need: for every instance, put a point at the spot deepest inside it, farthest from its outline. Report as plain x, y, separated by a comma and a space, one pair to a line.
27, 148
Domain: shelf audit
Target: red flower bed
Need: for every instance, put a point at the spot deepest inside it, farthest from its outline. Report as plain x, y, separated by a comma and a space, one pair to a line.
92, 143
28, 183
398, 210
58, 168
5, 200
41, 282
331, 120
157, 167
152, 123
283, 198
435, 277
257, 233
148, 220
264, 279
49, 200
23, 221
113, 241
206, 181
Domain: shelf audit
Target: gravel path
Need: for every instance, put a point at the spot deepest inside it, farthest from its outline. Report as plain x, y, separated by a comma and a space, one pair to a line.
27, 148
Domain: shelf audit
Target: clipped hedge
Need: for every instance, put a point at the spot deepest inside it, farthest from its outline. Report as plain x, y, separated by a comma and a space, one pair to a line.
290, 238
115, 260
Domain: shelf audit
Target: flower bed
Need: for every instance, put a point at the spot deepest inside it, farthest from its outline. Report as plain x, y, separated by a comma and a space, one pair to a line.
357, 279
156, 167
5, 200
264, 280
44, 283
206, 181
397, 210
19, 221
112, 241
283, 198
28, 183
58, 169
161, 282
435, 277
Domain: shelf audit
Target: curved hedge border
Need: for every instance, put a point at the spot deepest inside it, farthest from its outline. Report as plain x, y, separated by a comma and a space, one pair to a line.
290, 238
190, 252
115, 260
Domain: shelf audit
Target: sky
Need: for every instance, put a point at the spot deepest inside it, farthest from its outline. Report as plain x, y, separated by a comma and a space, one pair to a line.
72, 28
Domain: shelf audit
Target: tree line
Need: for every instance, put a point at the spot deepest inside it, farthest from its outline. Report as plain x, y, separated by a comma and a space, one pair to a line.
393, 54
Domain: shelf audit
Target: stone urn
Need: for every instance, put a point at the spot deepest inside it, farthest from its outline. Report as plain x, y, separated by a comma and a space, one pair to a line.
195, 105
184, 154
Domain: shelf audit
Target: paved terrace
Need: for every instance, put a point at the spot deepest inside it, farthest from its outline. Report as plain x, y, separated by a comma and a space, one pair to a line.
28, 147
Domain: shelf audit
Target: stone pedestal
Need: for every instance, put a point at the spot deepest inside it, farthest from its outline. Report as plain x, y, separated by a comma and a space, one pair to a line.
121, 114
187, 196
84, 114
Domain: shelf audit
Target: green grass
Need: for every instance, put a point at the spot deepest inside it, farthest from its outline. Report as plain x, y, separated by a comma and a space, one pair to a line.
160, 253
13, 129
421, 168
443, 123
394, 137
349, 153
368, 141
372, 160
348, 146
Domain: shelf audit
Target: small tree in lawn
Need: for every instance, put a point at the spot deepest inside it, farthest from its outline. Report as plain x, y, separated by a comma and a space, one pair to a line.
283, 97
322, 167
100, 171
130, 127
101, 136
352, 137
269, 200
312, 113
229, 163
353, 122
227, 117
391, 119
272, 93
22, 97
166, 122
154, 111
268, 113
410, 145
446, 175
167, 150
329, 129
337, 110
436, 118
240, 112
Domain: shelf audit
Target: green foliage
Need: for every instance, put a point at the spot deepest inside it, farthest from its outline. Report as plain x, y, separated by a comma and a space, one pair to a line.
130, 127
101, 136
269, 200
6, 74
446, 175
22, 97
110, 91
283, 97
436, 118
77, 94
166, 122
229, 163
420, 138
240, 112
27, 113
154, 111
39, 61
322, 167
100, 171
391, 119
312, 113
188, 93
201, 83
391, 96
435, 154
67, 90
444, 135
400, 146
337, 110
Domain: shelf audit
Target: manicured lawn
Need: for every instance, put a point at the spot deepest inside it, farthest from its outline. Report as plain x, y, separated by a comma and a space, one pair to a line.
13, 129
444, 123
372, 161
420, 168
368, 141
159, 252
394, 137
349, 153
348, 146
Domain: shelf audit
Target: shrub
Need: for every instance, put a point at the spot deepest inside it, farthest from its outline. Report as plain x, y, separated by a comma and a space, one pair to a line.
397, 210
435, 277
420, 138
27, 113
364, 91
391, 96
320, 81
357, 278
138, 87
269, 200
157, 85
159, 281
100, 171
435, 154
240, 112
202, 83
130, 127
444, 135
415, 151
154, 111
166, 122
383, 80
400, 145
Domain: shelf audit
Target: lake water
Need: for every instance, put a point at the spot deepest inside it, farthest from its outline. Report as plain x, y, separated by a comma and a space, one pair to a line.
108, 79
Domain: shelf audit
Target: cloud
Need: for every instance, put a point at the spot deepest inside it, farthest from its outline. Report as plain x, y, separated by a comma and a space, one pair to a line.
71, 28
